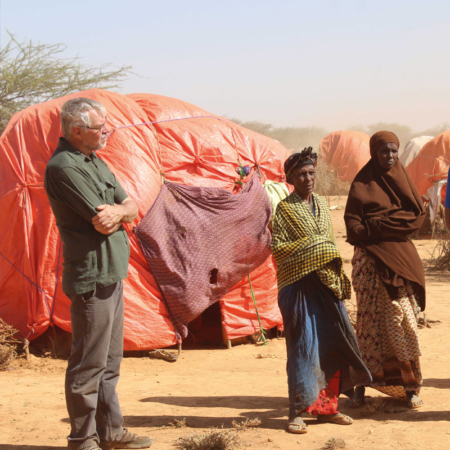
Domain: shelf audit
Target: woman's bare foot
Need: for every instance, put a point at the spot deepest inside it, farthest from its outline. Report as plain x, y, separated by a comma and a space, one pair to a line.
414, 401
358, 398
297, 426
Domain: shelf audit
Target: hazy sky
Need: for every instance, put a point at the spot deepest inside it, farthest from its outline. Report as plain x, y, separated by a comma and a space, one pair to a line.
328, 63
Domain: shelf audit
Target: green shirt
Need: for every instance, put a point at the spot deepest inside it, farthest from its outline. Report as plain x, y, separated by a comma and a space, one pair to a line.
76, 184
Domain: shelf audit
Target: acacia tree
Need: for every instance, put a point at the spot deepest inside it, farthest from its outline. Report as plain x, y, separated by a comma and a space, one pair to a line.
34, 73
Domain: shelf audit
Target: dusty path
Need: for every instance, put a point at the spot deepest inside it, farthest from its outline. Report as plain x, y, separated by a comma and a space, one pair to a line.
211, 387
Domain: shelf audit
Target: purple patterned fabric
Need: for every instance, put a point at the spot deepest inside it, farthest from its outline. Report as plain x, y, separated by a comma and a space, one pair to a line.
199, 242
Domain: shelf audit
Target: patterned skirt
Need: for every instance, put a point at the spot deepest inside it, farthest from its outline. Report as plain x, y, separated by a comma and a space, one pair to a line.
386, 330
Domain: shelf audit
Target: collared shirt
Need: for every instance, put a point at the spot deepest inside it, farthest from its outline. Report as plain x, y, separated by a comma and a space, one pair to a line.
303, 243
76, 184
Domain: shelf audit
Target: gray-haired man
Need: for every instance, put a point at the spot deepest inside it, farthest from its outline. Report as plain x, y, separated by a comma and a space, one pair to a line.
90, 206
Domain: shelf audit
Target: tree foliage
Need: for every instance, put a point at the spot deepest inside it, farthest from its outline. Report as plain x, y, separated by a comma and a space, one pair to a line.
33, 73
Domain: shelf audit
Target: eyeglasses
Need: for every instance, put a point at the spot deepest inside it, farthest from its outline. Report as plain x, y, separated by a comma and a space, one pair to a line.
97, 129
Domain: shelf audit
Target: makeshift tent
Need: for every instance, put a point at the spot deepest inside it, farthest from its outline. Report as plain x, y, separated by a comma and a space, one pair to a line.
412, 149
429, 169
187, 146
345, 152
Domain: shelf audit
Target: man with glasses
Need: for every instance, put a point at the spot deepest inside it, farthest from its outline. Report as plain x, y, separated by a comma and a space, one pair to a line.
90, 206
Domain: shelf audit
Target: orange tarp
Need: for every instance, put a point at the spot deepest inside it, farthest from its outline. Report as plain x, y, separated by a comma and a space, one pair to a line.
431, 164
346, 152
201, 152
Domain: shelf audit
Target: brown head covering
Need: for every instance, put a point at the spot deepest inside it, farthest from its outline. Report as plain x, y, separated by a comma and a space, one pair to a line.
381, 138
305, 157
383, 209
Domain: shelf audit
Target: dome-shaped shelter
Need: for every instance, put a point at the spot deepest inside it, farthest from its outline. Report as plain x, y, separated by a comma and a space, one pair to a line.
412, 149
345, 152
430, 167
188, 146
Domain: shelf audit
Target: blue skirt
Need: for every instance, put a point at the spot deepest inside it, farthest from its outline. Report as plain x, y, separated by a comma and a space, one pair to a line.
320, 341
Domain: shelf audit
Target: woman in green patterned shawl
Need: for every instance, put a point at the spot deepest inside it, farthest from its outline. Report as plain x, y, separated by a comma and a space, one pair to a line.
323, 358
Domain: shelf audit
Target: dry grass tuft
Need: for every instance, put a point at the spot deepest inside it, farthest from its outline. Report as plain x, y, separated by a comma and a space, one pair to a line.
327, 182
333, 444
378, 404
7, 355
178, 423
8, 344
246, 424
440, 258
213, 439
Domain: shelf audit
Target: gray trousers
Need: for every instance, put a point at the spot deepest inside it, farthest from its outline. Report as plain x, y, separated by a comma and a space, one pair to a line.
94, 364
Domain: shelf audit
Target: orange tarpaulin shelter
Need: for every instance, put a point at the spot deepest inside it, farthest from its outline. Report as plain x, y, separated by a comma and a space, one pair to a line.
431, 164
346, 152
200, 151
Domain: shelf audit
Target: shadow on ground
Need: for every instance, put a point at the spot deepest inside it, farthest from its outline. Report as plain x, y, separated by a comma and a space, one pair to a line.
439, 383
29, 447
234, 401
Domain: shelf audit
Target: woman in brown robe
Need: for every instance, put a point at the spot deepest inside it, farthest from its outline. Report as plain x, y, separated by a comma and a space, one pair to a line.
383, 210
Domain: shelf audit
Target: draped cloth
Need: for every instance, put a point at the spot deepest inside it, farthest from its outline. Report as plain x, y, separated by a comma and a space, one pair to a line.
302, 244
199, 242
383, 209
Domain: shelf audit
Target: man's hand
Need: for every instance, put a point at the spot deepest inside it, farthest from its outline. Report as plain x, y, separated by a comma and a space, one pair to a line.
110, 217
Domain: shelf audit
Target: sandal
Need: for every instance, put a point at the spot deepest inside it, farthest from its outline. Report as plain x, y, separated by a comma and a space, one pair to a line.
163, 354
297, 426
414, 401
339, 418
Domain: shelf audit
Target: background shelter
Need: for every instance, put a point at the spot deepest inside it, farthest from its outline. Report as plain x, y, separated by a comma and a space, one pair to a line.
412, 149
430, 167
345, 152
188, 146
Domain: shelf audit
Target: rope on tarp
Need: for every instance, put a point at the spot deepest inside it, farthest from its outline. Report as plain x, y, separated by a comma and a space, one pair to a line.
263, 333
56, 282
181, 118
31, 281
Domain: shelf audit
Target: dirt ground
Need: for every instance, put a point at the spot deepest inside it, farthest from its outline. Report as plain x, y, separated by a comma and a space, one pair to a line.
210, 387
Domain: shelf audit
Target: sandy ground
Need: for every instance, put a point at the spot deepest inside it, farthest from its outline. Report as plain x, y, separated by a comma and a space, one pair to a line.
210, 387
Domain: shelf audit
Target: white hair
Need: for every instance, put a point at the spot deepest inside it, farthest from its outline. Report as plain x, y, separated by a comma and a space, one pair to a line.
74, 113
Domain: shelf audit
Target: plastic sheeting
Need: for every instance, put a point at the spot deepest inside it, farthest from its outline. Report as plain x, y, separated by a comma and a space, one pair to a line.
431, 164
276, 192
412, 149
199, 152
346, 152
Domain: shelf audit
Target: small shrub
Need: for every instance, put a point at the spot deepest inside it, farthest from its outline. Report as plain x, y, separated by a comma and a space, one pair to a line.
333, 444
213, 439
327, 181
8, 344
246, 424
178, 423
378, 404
